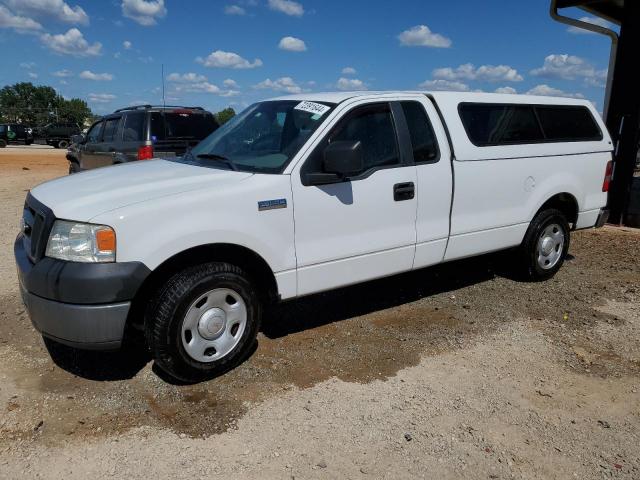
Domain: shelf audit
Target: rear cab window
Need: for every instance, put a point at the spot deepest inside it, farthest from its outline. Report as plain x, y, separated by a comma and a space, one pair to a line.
423, 139
181, 125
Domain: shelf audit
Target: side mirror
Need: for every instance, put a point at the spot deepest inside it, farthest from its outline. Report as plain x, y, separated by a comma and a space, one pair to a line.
78, 139
341, 159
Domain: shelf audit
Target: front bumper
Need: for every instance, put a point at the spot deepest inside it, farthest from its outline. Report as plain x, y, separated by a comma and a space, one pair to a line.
90, 327
84, 305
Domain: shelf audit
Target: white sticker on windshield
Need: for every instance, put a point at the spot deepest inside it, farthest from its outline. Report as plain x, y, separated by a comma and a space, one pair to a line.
312, 107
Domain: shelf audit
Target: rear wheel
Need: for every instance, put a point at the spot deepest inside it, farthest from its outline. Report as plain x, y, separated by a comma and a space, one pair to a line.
545, 245
62, 144
203, 322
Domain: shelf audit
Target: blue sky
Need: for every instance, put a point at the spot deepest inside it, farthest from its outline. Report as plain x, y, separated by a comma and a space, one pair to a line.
218, 53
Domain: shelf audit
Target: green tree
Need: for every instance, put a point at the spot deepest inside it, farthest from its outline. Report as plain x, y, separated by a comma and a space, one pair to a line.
38, 105
73, 110
223, 116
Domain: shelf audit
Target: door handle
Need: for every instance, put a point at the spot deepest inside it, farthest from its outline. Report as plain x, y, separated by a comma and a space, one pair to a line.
404, 191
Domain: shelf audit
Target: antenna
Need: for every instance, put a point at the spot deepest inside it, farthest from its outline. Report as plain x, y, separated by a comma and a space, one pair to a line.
163, 101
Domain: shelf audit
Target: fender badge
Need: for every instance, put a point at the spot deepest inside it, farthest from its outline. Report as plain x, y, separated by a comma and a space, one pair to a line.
272, 204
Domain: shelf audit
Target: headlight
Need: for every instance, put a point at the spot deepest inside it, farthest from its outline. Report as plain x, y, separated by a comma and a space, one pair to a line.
81, 242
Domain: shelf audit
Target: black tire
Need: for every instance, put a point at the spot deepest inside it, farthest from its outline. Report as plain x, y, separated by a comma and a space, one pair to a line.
166, 314
62, 144
3, 143
531, 267
73, 167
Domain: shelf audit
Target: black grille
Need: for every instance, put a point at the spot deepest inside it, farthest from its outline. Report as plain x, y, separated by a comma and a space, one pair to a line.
38, 220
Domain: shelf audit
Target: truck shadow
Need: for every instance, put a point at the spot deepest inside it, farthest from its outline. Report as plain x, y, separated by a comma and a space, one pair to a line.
301, 314
347, 302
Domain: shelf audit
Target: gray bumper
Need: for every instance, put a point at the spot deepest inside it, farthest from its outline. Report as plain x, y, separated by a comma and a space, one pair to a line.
93, 327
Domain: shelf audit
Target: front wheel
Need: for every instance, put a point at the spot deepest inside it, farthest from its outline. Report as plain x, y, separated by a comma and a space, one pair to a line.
545, 245
62, 144
203, 321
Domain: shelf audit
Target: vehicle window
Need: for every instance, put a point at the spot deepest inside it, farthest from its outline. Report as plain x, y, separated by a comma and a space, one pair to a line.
133, 127
3, 128
423, 140
373, 127
488, 124
110, 126
568, 123
181, 125
263, 138
93, 135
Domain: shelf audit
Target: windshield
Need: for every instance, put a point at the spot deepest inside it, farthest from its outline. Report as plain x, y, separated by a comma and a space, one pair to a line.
263, 138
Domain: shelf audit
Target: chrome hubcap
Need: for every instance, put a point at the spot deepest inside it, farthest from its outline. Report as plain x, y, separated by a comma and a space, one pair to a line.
214, 324
550, 246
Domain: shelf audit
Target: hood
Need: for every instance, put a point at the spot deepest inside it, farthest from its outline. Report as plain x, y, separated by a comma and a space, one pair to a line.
84, 195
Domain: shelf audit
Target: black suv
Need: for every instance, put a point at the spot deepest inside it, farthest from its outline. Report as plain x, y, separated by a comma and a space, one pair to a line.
14, 133
140, 133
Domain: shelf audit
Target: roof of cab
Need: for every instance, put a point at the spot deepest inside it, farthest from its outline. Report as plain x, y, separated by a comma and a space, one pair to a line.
339, 97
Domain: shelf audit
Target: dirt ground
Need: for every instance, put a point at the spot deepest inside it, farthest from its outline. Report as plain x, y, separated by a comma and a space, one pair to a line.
453, 372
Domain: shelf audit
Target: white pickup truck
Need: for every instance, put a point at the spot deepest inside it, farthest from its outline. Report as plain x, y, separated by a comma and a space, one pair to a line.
302, 194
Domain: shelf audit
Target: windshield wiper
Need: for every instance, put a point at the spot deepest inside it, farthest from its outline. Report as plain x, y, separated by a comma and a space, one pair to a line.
219, 158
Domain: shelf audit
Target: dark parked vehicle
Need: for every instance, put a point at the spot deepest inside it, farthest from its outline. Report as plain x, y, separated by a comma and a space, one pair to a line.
140, 133
14, 133
58, 135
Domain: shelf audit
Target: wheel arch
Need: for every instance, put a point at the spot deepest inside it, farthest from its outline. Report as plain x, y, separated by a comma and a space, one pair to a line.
565, 202
248, 260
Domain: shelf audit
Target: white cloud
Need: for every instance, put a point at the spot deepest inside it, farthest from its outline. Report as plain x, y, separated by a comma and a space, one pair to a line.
63, 73
195, 83
509, 90
230, 83
234, 10
197, 87
422, 36
98, 77
283, 84
445, 85
33, 75
546, 90
57, 9
221, 59
71, 43
27, 65
144, 12
571, 67
349, 71
186, 78
484, 73
101, 97
16, 22
350, 84
287, 7
292, 44
127, 45
601, 22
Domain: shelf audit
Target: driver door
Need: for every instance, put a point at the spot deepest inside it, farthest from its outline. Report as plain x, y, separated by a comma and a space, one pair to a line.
364, 227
